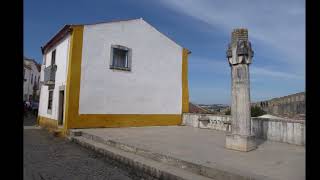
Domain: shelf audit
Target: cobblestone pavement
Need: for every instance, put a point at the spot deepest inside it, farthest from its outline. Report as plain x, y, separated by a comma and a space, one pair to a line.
48, 157
29, 119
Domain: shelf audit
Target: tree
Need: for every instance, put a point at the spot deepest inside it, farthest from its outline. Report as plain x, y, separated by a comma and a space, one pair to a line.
255, 111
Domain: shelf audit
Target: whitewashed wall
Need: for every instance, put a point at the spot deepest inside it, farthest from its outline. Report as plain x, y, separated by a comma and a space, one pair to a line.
27, 85
286, 131
27, 88
154, 85
62, 49
217, 122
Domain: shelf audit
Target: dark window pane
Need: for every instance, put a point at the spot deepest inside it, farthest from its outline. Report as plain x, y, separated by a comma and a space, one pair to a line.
50, 100
53, 57
120, 58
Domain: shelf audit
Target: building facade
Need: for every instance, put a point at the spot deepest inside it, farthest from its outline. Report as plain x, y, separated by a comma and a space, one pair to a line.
31, 79
113, 74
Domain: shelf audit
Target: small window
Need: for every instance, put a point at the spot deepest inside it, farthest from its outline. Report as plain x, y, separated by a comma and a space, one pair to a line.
53, 57
50, 100
120, 58
31, 78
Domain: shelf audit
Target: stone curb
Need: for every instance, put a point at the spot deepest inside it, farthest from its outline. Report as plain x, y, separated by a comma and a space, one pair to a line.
217, 172
145, 168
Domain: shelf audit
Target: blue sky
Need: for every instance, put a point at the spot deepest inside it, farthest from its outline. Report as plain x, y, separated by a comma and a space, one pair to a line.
276, 30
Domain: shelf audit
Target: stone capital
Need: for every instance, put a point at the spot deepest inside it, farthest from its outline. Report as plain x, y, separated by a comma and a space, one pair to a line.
239, 50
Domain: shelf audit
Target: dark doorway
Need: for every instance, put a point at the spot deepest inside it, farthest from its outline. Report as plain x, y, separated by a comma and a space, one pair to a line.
61, 107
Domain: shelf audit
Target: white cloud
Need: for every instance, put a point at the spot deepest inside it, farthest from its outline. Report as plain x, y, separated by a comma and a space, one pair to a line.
272, 73
199, 64
278, 26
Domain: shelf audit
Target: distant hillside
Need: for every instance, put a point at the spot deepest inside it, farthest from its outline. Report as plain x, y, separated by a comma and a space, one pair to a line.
194, 108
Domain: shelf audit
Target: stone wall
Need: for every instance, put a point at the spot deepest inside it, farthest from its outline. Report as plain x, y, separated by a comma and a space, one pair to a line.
286, 131
289, 106
217, 122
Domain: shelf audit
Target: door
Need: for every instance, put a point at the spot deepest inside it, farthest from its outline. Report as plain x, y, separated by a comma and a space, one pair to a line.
61, 107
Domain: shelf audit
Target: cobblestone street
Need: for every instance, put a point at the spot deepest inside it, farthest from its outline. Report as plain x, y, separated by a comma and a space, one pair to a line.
49, 157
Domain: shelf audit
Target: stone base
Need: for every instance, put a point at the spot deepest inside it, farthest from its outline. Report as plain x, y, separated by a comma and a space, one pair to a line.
240, 143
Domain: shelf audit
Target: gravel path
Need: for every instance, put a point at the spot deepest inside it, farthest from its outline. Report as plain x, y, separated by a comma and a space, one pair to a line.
48, 157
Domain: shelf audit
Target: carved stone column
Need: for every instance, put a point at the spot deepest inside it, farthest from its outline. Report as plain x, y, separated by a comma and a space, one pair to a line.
240, 55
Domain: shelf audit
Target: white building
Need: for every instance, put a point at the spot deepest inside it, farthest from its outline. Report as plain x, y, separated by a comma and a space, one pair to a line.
31, 77
113, 74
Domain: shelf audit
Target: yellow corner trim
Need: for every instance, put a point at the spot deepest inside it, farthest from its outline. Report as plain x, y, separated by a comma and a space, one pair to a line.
73, 78
185, 86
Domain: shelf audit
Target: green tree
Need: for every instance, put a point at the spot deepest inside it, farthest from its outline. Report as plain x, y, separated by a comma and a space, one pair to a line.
255, 111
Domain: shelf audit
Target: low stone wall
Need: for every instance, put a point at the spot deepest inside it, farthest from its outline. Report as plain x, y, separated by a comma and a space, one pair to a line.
217, 122
286, 131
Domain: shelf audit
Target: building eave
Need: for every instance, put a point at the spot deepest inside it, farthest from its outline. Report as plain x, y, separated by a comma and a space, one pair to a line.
68, 28
56, 38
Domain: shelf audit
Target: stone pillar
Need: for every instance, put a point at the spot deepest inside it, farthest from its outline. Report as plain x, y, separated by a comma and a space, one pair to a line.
240, 55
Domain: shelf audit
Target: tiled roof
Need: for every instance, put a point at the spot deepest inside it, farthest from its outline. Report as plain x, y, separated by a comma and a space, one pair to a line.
193, 108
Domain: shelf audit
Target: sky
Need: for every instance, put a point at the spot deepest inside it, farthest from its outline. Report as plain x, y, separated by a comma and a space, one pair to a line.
276, 31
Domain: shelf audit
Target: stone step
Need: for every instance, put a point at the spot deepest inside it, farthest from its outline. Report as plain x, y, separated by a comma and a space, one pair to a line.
218, 172
147, 168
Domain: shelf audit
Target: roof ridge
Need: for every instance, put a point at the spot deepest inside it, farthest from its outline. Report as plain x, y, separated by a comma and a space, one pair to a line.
111, 21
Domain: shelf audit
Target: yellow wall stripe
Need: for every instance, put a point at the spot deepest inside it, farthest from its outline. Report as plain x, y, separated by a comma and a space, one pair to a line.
185, 86
74, 74
126, 120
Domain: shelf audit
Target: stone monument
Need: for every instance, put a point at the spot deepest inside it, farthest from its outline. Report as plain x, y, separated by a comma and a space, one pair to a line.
240, 55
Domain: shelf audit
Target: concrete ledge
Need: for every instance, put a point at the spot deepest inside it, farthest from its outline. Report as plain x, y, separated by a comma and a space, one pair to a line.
286, 131
218, 172
141, 165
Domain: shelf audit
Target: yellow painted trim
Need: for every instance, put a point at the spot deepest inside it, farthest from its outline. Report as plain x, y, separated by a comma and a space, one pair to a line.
75, 120
73, 78
185, 86
47, 122
126, 120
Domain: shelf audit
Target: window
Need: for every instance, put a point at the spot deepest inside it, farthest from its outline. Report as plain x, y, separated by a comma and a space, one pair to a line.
35, 77
50, 100
38, 79
31, 78
120, 57
44, 60
53, 57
